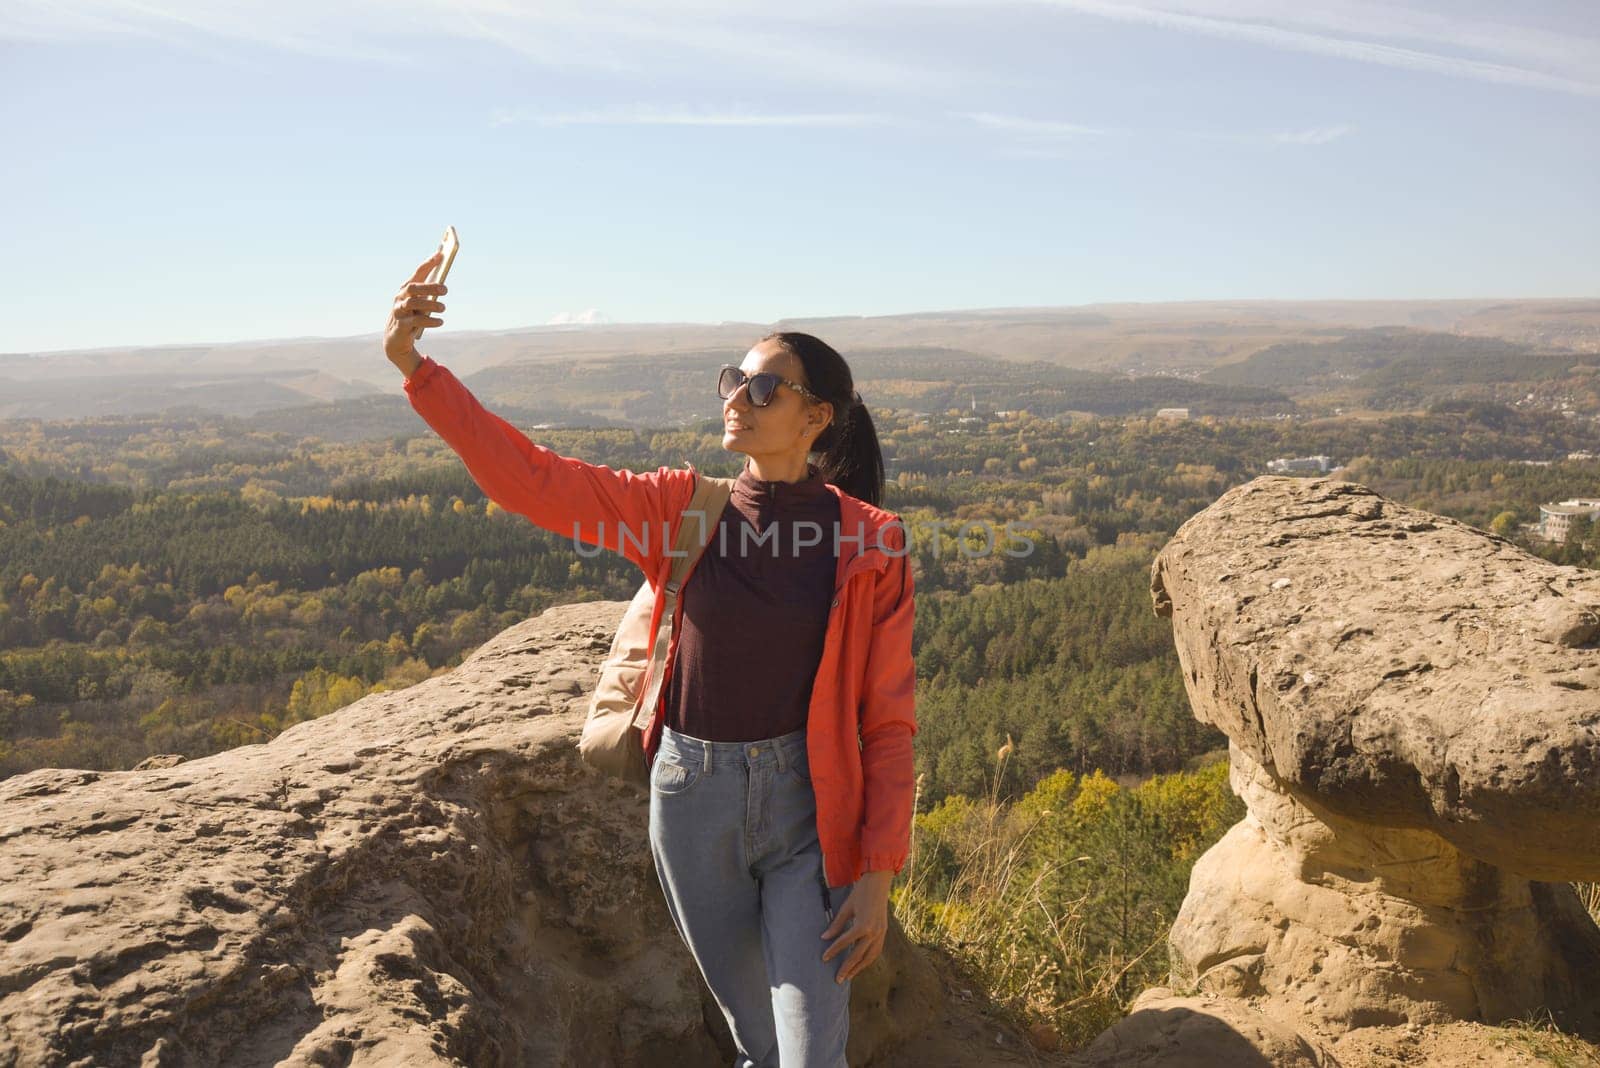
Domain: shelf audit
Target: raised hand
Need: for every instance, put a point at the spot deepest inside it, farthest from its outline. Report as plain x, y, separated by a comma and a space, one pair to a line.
411, 314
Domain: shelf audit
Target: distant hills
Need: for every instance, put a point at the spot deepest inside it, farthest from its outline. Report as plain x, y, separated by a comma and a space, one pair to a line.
1236, 357
677, 388
73, 396
1399, 369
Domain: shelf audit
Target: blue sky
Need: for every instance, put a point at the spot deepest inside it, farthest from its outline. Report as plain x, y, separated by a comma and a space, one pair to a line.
206, 172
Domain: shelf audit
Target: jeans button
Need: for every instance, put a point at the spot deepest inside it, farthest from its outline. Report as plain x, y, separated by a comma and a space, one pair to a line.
754, 749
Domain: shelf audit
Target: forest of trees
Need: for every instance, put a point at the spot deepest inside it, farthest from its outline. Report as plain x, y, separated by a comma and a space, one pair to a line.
184, 589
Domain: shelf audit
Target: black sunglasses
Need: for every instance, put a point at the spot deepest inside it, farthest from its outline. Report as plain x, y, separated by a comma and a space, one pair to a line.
763, 384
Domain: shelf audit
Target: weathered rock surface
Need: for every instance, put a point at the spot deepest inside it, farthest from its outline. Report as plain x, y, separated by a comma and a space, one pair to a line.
1163, 1030
1413, 710
428, 876
1403, 668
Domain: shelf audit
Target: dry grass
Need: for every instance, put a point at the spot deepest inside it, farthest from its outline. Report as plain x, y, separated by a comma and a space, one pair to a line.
1028, 957
1589, 894
1539, 1037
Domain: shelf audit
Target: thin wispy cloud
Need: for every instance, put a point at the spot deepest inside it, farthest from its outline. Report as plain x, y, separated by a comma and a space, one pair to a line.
1574, 53
1305, 136
1033, 128
830, 44
1315, 135
1035, 138
31, 22
1288, 30
587, 317
768, 41
195, 27
655, 117
640, 41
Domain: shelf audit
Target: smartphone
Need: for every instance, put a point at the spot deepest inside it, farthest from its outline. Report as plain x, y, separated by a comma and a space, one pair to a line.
447, 245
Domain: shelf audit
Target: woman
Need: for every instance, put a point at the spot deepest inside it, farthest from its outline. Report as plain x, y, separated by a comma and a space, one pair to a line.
781, 748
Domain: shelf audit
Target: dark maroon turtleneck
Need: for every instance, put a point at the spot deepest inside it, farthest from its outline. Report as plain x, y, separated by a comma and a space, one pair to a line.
755, 611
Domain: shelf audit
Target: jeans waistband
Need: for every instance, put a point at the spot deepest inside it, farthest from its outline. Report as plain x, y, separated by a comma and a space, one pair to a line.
778, 751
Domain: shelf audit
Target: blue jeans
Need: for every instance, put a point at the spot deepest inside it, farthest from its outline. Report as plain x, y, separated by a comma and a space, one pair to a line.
733, 829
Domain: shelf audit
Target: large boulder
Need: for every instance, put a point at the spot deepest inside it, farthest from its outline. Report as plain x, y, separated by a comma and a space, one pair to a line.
1413, 711
1402, 668
428, 876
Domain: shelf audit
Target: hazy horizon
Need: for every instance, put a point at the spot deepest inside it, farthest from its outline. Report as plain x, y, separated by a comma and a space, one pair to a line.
582, 327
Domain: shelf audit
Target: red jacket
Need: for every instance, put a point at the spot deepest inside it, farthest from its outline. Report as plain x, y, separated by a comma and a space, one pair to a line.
862, 714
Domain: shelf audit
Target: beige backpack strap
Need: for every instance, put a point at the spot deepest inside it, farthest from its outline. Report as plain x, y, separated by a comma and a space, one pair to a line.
695, 527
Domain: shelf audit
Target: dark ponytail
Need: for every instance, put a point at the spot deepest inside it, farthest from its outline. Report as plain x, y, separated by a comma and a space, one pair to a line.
848, 449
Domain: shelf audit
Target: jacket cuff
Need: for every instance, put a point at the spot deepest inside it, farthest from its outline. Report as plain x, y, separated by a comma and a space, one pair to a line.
883, 862
420, 377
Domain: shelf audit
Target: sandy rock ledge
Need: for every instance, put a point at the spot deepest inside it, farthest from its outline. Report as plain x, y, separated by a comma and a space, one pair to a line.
427, 876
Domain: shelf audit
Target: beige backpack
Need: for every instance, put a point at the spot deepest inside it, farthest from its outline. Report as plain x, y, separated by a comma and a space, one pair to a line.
613, 733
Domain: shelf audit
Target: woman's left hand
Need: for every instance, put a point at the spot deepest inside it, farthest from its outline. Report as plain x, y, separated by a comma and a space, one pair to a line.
868, 906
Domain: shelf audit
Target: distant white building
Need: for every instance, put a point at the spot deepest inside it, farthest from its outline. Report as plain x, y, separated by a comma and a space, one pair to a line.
1172, 413
1296, 465
1554, 519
